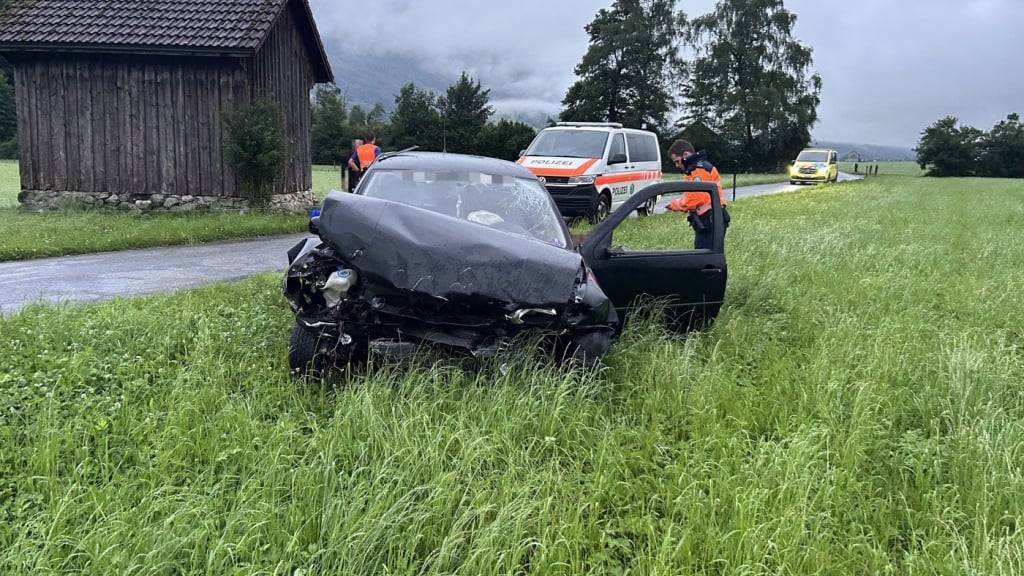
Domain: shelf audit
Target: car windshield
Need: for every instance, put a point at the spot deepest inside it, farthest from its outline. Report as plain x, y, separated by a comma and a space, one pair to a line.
569, 144
812, 156
517, 205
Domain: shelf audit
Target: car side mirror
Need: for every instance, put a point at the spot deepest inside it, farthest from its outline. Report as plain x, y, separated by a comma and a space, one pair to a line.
617, 159
522, 153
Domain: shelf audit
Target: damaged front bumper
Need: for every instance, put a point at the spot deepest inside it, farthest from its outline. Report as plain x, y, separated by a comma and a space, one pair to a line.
371, 318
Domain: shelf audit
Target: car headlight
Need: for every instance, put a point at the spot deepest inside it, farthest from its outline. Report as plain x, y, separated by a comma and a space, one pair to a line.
582, 180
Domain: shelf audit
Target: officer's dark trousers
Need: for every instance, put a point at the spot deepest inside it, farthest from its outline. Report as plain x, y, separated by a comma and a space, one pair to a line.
704, 239
704, 236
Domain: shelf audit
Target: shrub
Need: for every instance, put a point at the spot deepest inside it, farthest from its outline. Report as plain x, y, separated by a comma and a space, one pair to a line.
255, 148
9, 149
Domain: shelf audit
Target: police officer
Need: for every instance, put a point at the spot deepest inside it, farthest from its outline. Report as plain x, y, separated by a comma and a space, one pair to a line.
697, 205
364, 156
355, 171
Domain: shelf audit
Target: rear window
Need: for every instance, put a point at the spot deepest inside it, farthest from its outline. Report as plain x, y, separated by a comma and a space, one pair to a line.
569, 144
642, 148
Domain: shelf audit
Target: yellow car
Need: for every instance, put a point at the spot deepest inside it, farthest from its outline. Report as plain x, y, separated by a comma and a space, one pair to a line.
813, 165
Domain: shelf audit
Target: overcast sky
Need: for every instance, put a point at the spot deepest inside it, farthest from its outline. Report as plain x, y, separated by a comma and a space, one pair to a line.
890, 67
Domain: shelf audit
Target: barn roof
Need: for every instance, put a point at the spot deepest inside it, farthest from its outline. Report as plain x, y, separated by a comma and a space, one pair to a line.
153, 26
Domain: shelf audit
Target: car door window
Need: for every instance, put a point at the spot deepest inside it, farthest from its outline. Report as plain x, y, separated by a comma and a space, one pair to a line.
632, 264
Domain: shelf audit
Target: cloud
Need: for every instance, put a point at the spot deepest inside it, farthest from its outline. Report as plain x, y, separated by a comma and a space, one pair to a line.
889, 67
523, 51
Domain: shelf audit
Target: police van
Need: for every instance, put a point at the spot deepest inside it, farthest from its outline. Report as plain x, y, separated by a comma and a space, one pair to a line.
590, 168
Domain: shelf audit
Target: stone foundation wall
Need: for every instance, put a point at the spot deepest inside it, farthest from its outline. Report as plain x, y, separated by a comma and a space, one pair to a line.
44, 200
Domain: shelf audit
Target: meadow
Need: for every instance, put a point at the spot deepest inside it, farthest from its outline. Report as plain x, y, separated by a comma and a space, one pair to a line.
884, 168
858, 408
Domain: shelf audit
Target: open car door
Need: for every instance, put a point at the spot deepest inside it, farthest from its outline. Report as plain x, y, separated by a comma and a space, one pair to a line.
690, 282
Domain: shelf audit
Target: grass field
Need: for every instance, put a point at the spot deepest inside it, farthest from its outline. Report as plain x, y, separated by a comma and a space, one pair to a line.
10, 183
885, 168
857, 409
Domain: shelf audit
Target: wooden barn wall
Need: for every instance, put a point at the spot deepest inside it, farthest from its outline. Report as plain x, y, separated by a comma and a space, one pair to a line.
282, 71
127, 124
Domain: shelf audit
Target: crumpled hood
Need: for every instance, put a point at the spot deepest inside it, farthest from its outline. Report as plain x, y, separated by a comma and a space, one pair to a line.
417, 250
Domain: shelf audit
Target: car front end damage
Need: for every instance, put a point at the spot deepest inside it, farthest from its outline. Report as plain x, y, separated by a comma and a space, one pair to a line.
386, 278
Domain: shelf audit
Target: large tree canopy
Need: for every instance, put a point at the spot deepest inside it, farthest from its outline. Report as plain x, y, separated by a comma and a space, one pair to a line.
465, 110
415, 120
948, 148
626, 74
329, 128
751, 81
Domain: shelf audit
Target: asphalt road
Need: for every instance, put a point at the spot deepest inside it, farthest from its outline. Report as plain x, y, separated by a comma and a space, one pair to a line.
109, 275
138, 272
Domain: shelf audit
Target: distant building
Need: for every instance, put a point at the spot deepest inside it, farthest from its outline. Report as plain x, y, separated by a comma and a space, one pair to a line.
124, 102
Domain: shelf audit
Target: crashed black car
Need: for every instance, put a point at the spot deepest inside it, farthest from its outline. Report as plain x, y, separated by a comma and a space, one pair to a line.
468, 253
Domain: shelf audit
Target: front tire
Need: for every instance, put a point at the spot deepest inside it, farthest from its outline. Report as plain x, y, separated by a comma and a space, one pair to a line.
307, 352
603, 209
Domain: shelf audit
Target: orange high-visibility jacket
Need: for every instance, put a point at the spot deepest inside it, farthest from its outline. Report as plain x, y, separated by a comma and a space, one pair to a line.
367, 154
699, 202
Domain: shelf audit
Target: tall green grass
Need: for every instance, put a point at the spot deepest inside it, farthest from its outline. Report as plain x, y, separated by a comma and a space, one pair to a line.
857, 409
10, 183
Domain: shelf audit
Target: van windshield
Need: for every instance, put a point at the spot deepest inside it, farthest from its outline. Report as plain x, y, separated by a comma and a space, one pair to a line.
812, 156
569, 144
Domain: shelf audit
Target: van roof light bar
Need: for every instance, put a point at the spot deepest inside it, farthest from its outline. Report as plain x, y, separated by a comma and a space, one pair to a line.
591, 124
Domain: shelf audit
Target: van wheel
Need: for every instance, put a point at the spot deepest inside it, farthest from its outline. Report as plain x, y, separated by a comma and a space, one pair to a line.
603, 210
648, 208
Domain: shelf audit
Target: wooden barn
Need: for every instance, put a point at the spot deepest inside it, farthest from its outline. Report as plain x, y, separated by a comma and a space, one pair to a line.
123, 101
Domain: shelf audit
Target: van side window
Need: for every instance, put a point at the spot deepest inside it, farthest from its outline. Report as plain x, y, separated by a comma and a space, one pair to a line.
618, 146
652, 148
642, 148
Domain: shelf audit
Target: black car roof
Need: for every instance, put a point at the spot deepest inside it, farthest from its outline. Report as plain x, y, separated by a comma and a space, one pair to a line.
443, 161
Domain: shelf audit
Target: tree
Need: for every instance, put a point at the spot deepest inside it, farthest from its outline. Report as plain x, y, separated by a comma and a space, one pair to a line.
948, 149
1002, 149
465, 110
627, 73
416, 120
504, 139
8, 119
751, 82
329, 129
255, 147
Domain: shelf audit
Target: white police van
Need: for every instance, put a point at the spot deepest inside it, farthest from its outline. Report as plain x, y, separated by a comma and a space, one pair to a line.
590, 168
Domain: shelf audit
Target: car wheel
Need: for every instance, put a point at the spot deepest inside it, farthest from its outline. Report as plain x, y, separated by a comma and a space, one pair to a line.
314, 355
648, 208
307, 352
604, 208
793, 182
587, 350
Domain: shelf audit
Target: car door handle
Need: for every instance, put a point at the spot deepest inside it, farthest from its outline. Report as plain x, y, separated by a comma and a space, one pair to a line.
711, 271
